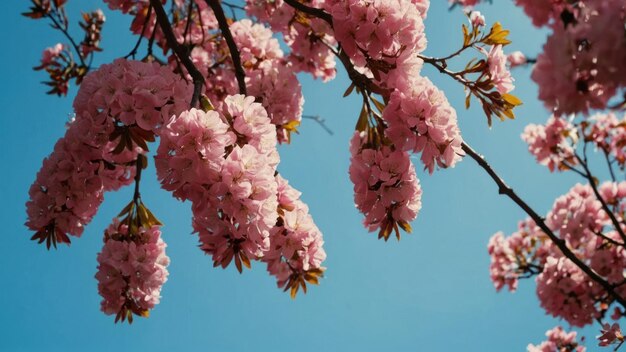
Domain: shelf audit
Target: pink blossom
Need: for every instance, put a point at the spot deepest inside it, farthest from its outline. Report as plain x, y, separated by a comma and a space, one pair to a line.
132, 268
133, 92
577, 216
580, 66
516, 58
609, 134
422, 7
552, 144
558, 341
296, 244
541, 12
386, 188
565, 291
242, 208
476, 19
305, 39
270, 78
191, 153
520, 254
86, 161
375, 33
422, 120
224, 161
49, 56
278, 90
498, 72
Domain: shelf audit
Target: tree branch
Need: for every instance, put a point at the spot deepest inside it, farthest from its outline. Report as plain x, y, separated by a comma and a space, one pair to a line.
315, 12
180, 51
143, 31
605, 207
609, 164
138, 167
63, 30
560, 243
232, 46
320, 121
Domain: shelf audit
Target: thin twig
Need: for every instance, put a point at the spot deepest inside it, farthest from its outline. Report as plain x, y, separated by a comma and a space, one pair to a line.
435, 62
232, 46
609, 164
605, 206
138, 167
143, 31
320, 121
58, 26
181, 52
607, 238
188, 24
572, 168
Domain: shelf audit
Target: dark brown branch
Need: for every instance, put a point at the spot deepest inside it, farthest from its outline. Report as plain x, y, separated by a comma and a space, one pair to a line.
608, 239
315, 12
232, 46
143, 31
181, 52
560, 243
572, 168
609, 164
320, 121
605, 207
442, 68
58, 26
138, 167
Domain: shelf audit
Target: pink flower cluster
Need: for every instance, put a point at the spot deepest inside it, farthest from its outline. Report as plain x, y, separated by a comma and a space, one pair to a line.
580, 68
133, 93
86, 162
57, 62
381, 35
224, 161
132, 268
516, 255
552, 144
50, 56
558, 341
498, 72
269, 77
421, 120
307, 37
516, 58
295, 242
577, 216
544, 12
564, 290
386, 188
608, 133
67, 192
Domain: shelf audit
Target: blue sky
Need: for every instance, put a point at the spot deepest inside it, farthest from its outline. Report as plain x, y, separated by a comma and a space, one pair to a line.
431, 291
